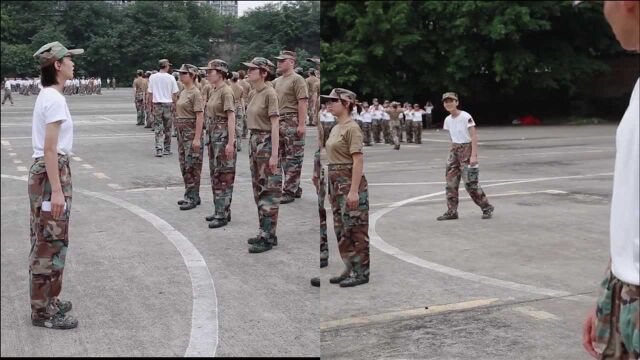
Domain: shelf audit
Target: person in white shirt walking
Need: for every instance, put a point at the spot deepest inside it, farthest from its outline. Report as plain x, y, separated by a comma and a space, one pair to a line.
463, 159
162, 95
612, 328
50, 189
7, 91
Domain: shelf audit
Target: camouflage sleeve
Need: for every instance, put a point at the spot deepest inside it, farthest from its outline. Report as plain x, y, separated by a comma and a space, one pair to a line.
300, 87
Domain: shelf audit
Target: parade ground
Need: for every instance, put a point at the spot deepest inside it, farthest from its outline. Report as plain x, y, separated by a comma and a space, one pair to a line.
147, 279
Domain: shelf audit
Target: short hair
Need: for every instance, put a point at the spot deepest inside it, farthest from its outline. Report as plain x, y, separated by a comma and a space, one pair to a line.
241, 74
49, 74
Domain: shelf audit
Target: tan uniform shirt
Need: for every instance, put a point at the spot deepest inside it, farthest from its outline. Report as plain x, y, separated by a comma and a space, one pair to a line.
237, 93
290, 88
312, 81
205, 92
246, 88
262, 105
395, 116
189, 103
220, 101
344, 140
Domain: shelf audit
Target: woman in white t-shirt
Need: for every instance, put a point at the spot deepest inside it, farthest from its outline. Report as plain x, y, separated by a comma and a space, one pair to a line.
50, 189
417, 123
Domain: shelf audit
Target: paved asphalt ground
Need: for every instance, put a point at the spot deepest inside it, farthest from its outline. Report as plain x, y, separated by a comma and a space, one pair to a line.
148, 279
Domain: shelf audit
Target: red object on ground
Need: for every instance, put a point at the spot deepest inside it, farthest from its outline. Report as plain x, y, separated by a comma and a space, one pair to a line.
530, 120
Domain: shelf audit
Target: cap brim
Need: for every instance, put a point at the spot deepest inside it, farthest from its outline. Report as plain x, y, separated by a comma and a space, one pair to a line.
449, 97
251, 65
204, 68
329, 97
75, 52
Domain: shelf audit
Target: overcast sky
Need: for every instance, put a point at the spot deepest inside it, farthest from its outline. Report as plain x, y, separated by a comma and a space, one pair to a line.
247, 5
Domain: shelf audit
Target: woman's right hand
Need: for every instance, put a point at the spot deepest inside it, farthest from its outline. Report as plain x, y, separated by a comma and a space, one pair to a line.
57, 204
196, 145
273, 163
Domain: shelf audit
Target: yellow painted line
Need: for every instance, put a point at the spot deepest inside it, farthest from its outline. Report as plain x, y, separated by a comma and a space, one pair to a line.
405, 314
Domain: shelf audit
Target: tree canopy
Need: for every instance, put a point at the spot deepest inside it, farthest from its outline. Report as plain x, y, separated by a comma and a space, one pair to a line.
416, 50
118, 39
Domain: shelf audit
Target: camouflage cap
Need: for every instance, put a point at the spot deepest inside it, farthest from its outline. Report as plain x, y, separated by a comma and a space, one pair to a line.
299, 70
260, 63
235, 75
286, 54
341, 94
450, 95
315, 60
53, 51
217, 64
188, 68
164, 62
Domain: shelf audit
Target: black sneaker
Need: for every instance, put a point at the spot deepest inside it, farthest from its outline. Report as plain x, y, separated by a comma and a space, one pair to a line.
448, 216
158, 153
217, 222
210, 218
184, 201
287, 199
324, 263
339, 278
354, 280
188, 205
57, 321
315, 281
298, 193
260, 246
487, 213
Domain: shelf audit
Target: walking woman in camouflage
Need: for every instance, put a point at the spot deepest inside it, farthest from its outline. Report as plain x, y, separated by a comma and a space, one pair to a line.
220, 141
263, 121
50, 189
348, 190
189, 124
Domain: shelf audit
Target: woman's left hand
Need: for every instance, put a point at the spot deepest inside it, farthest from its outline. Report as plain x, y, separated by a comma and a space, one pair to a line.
229, 150
473, 161
352, 200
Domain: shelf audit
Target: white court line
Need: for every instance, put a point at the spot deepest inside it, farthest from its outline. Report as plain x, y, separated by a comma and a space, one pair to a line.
87, 166
377, 241
114, 186
5, 143
77, 158
100, 175
536, 314
98, 136
106, 118
204, 315
13, 154
22, 169
443, 182
16, 161
512, 193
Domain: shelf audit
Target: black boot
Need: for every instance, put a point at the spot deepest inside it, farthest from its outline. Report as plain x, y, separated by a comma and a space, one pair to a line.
354, 280
217, 222
261, 246
315, 281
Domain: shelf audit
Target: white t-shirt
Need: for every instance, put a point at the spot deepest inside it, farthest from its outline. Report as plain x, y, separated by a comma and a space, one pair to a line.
385, 116
7, 85
365, 116
162, 85
50, 107
428, 109
459, 127
417, 115
625, 206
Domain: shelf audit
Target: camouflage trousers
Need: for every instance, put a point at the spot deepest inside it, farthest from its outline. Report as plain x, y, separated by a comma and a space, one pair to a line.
366, 131
222, 170
267, 185
140, 108
457, 167
403, 126
618, 319
321, 190
291, 153
190, 161
351, 226
386, 131
49, 239
149, 117
417, 131
396, 134
162, 125
7, 95
376, 127
409, 130
241, 124
359, 122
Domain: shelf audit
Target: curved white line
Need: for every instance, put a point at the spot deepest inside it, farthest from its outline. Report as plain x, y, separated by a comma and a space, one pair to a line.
377, 241
204, 316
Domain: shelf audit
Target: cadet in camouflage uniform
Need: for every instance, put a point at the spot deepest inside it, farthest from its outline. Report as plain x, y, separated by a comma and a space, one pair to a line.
139, 88
246, 88
163, 108
348, 190
148, 120
292, 99
50, 190
238, 98
266, 175
220, 140
394, 123
313, 87
463, 159
376, 122
189, 124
